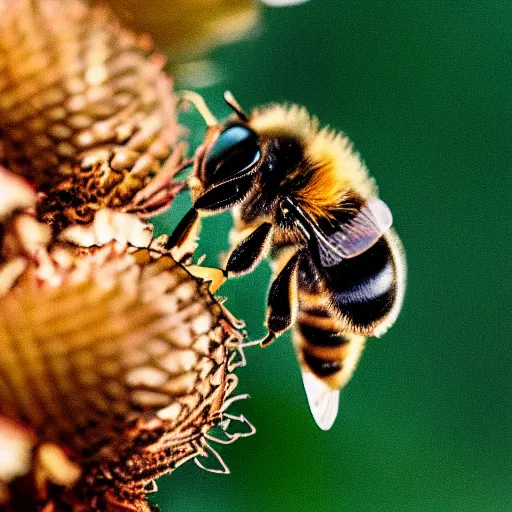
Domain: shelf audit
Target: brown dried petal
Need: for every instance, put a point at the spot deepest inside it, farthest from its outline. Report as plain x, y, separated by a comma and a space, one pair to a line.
20, 234
15, 194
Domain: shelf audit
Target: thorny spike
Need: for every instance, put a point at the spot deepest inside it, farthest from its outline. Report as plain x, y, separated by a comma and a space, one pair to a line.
227, 419
227, 403
241, 419
231, 438
231, 383
164, 178
152, 487
233, 361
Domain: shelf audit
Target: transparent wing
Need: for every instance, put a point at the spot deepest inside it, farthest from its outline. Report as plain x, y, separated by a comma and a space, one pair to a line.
355, 237
350, 238
323, 401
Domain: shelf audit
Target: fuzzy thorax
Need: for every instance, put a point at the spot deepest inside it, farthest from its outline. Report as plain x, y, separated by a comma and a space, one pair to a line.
337, 171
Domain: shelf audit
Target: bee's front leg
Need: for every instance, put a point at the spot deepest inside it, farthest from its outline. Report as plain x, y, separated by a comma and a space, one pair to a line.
182, 242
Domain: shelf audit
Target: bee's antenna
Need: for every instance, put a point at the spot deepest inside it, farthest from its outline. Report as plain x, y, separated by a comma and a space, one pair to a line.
198, 102
230, 100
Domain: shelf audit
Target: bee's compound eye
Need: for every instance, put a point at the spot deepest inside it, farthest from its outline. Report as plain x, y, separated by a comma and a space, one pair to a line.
236, 150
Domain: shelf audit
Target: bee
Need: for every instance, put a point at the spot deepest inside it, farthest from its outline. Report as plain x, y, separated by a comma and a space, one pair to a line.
301, 195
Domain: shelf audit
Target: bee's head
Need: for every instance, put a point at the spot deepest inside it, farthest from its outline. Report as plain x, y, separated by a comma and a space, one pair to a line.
278, 151
226, 164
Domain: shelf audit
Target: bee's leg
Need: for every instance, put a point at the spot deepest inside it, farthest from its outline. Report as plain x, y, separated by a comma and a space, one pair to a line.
249, 253
283, 300
182, 241
227, 194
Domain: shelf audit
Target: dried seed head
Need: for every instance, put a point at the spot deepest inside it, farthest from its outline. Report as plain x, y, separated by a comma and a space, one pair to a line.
115, 353
86, 112
116, 360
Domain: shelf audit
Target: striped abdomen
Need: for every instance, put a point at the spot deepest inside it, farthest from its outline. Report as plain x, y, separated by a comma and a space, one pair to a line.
341, 305
330, 355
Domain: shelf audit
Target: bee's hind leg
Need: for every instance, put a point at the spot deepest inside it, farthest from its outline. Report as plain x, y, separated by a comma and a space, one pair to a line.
283, 300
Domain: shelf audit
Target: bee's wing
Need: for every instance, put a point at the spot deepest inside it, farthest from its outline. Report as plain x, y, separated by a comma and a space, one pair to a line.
349, 238
323, 401
356, 236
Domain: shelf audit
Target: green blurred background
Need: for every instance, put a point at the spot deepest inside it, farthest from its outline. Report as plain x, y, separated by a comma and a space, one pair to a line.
424, 90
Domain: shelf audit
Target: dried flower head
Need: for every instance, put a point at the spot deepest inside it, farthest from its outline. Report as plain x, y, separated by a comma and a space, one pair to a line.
116, 361
86, 112
116, 355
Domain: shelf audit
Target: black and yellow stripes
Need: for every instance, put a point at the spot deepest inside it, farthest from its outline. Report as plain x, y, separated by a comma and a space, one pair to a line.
322, 349
366, 290
342, 305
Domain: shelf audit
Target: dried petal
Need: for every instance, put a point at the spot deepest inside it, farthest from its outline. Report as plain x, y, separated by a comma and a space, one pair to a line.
15, 194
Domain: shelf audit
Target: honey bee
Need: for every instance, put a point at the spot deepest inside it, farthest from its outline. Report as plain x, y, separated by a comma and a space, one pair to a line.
300, 194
